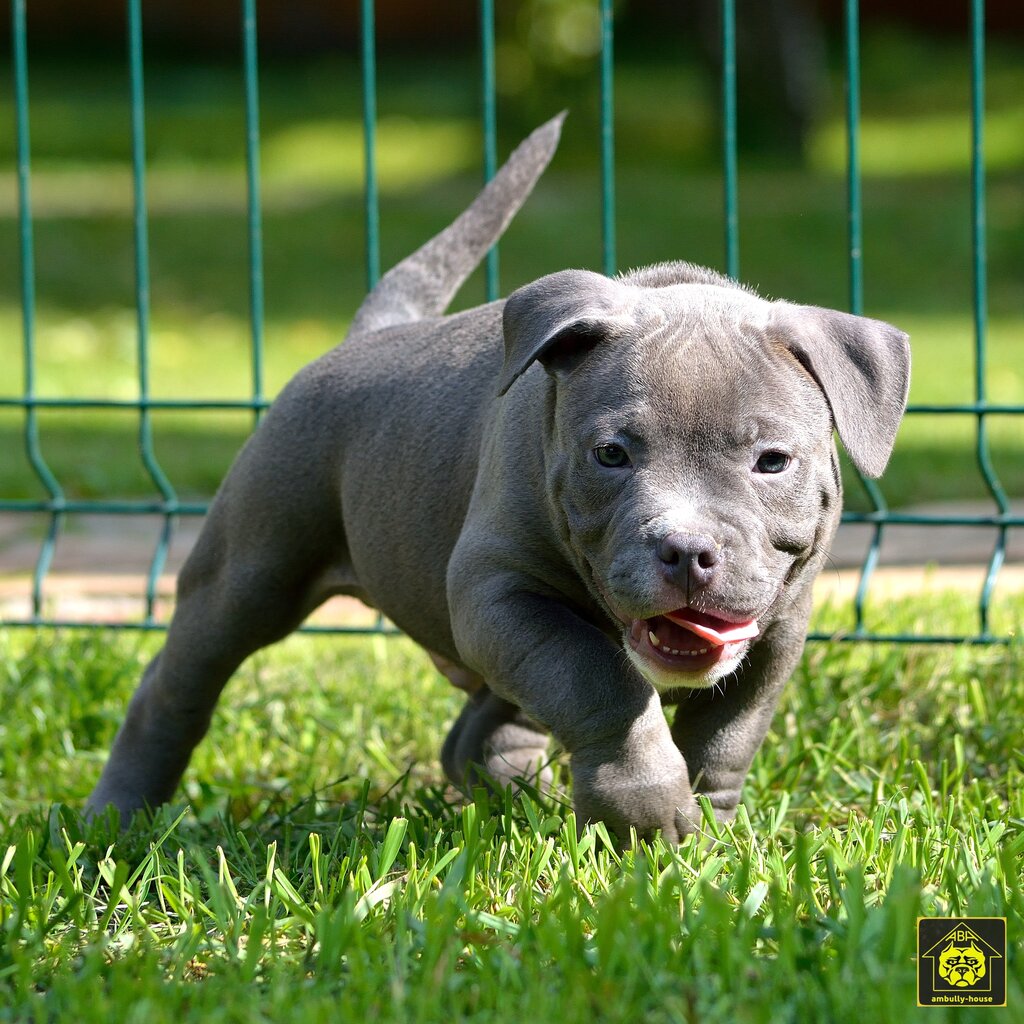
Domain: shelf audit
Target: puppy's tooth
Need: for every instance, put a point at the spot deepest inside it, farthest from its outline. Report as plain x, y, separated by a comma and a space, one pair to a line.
675, 651
652, 637
666, 650
703, 650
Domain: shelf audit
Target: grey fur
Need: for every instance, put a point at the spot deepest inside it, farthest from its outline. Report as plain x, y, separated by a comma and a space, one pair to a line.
449, 480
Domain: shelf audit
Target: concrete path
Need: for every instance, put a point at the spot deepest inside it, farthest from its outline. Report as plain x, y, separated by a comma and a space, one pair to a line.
101, 563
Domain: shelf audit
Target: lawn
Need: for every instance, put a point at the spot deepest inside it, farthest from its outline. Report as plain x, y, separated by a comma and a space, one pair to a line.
315, 864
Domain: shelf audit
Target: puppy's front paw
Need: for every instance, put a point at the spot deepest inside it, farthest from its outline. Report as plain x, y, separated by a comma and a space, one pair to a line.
648, 790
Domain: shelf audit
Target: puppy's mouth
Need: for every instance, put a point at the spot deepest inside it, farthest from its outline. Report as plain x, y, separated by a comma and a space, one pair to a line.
689, 641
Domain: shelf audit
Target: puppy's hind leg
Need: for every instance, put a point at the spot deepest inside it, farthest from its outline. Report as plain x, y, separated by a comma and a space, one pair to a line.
493, 742
253, 576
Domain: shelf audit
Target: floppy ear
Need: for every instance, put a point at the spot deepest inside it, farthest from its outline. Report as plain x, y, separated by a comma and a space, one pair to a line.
559, 318
862, 366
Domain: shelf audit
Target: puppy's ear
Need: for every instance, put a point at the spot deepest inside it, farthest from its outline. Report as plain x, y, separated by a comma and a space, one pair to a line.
559, 318
862, 366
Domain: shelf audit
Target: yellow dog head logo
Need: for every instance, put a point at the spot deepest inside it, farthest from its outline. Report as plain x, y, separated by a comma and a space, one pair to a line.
962, 966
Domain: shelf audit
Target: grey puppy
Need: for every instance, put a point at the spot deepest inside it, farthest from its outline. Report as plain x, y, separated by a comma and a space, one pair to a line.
595, 499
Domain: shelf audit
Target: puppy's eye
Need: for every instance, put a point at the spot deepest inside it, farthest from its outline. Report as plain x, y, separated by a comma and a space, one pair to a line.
772, 461
611, 456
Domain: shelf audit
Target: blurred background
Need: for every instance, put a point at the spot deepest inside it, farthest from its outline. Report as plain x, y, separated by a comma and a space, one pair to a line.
793, 224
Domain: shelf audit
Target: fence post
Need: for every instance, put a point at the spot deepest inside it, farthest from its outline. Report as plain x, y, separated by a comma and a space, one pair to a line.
490, 129
371, 201
33, 448
730, 176
608, 255
979, 251
253, 200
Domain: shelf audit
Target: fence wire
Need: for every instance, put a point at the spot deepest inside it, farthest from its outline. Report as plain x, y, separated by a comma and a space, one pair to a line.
57, 506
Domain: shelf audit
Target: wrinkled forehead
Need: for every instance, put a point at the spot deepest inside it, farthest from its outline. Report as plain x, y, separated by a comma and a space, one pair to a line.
703, 356
701, 322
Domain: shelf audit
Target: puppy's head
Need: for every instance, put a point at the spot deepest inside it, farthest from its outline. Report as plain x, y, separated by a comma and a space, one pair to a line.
693, 468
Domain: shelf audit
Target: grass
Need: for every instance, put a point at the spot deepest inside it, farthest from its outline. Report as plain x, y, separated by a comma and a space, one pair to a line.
324, 868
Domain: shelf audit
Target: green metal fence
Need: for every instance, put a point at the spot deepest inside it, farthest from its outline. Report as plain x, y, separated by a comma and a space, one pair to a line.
57, 507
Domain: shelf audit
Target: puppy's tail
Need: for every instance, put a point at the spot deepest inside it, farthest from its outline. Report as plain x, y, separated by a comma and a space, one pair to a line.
424, 283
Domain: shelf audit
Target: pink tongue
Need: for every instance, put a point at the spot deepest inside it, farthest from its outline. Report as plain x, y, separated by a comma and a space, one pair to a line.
718, 637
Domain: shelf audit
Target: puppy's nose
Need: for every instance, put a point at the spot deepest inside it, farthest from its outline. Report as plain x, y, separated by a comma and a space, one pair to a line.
690, 559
